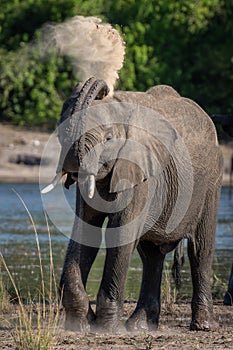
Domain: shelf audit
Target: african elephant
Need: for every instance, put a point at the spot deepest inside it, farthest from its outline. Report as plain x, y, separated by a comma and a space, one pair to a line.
152, 161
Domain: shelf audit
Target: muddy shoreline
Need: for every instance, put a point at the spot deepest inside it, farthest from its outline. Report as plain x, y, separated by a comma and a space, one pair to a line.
173, 333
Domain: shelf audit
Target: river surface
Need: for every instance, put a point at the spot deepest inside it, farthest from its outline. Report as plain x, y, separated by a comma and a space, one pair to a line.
19, 248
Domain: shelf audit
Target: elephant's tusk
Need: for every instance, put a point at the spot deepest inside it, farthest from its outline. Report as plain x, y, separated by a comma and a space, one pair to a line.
54, 183
91, 186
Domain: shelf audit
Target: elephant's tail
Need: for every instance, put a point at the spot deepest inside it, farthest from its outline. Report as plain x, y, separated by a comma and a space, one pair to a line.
178, 263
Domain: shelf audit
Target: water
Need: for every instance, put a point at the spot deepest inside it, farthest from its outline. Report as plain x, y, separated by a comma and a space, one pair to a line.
18, 243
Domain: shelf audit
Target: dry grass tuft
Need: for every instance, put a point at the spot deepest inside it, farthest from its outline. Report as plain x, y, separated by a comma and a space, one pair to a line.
36, 323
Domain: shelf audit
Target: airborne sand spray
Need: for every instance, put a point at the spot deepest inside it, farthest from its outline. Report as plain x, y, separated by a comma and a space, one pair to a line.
95, 49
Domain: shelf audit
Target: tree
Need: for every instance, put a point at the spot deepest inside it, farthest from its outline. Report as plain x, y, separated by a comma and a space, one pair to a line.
31, 87
186, 44
183, 43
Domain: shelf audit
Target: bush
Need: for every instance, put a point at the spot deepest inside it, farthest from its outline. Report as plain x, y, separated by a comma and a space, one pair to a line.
32, 90
185, 43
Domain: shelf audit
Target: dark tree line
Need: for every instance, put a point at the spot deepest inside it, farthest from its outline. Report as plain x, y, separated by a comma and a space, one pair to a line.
183, 43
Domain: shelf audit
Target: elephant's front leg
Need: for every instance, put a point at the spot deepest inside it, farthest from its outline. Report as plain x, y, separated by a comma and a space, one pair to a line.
110, 298
77, 265
79, 259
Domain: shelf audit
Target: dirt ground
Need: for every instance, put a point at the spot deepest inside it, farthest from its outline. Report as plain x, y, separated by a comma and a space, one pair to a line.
16, 145
173, 333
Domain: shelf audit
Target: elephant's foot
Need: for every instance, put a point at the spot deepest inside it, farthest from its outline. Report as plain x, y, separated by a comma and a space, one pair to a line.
203, 325
109, 326
137, 322
142, 321
108, 316
77, 323
203, 320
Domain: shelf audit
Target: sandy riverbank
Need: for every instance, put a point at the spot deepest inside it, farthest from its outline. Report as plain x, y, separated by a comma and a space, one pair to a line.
20, 154
173, 333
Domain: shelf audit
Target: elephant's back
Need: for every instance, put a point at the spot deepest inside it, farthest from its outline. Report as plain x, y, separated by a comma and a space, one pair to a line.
189, 120
163, 92
187, 117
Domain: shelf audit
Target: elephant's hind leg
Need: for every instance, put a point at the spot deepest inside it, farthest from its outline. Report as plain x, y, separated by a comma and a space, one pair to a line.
146, 314
200, 251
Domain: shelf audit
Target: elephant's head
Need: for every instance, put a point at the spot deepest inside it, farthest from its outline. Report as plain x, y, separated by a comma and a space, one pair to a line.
110, 138
71, 127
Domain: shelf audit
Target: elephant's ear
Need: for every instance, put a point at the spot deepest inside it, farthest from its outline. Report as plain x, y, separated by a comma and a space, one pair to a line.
126, 174
145, 154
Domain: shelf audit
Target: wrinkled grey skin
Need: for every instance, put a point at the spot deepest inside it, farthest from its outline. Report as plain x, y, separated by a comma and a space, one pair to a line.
198, 224
226, 121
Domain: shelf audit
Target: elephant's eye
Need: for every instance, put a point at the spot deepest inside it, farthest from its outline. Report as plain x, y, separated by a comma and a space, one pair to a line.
108, 137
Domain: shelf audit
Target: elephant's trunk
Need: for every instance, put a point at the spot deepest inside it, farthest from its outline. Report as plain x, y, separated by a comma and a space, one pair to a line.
81, 98
97, 90
72, 136
79, 101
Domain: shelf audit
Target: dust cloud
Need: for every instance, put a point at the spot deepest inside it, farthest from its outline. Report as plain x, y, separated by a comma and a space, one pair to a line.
94, 48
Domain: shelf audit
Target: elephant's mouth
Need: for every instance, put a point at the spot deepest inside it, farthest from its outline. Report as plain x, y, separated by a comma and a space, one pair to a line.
79, 177
81, 99
76, 177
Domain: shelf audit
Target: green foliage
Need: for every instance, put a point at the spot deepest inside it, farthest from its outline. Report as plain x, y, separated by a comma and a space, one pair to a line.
186, 44
183, 43
31, 88
20, 19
